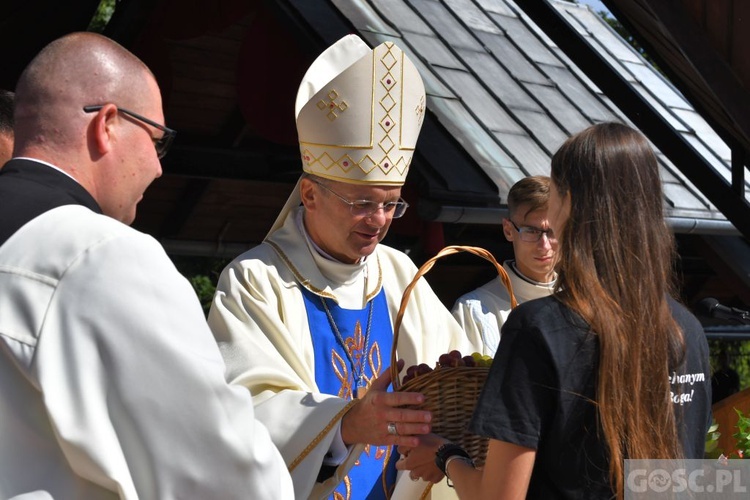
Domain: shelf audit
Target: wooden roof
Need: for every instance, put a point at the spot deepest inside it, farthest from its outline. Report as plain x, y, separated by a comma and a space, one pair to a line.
502, 95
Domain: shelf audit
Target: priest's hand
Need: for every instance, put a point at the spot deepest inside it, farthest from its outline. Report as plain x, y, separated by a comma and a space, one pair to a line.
380, 419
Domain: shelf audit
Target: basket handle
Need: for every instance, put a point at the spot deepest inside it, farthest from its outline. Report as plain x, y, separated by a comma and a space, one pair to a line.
449, 250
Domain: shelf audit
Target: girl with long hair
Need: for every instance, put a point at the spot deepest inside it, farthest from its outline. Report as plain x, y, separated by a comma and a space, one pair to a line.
610, 367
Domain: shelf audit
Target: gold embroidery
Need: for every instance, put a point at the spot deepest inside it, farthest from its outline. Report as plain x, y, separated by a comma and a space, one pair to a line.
331, 106
383, 452
356, 344
374, 360
384, 477
348, 495
300, 279
420, 110
306, 282
375, 146
387, 103
379, 451
394, 155
341, 369
315, 442
375, 290
367, 163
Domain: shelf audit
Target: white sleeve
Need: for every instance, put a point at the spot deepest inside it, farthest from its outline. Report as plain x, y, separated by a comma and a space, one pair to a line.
261, 327
469, 314
134, 384
338, 451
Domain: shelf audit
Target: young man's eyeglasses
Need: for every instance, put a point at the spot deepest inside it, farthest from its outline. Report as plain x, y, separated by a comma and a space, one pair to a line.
161, 144
533, 234
365, 208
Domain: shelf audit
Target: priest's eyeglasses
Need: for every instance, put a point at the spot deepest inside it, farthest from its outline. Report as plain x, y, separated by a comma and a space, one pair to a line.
533, 234
365, 208
161, 144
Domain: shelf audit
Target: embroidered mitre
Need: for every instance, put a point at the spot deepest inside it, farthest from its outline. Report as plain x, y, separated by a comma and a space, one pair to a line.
359, 112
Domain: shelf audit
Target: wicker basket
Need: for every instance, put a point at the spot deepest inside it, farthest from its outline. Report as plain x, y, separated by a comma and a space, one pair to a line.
450, 393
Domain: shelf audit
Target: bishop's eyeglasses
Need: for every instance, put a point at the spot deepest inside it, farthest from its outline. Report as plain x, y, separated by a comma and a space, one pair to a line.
533, 234
161, 144
365, 208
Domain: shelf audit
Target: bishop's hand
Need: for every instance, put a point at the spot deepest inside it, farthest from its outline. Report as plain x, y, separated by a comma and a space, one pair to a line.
380, 419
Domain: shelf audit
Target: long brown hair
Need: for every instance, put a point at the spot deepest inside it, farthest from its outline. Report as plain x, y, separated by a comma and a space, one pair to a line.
616, 271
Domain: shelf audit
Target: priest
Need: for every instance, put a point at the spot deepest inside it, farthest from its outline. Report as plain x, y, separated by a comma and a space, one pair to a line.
305, 319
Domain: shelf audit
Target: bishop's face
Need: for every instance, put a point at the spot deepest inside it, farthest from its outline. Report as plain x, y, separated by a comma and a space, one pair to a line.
334, 227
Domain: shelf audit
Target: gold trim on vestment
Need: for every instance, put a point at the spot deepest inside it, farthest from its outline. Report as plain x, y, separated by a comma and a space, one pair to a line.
307, 284
315, 442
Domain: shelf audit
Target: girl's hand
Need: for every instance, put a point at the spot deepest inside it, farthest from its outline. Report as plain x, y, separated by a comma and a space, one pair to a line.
420, 460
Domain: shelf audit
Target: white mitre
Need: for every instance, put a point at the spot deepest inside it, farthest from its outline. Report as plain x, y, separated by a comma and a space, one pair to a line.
359, 112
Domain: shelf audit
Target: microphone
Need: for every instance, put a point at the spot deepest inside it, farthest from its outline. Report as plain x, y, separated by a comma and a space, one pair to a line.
710, 307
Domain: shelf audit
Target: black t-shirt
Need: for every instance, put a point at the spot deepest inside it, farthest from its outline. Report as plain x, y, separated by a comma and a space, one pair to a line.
541, 389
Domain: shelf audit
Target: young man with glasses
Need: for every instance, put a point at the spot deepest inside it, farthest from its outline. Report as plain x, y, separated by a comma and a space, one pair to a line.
305, 319
111, 384
484, 310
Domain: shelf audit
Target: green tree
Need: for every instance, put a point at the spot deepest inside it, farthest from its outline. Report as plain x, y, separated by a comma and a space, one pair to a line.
625, 34
616, 25
204, 288
739, 356
102, 16
202, 273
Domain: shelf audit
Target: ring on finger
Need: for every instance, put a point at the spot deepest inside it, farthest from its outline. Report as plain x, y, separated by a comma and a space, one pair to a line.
392, 429
415, 479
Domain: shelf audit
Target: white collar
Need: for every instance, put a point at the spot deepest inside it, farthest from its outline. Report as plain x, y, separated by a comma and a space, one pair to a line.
348, 281
529, 280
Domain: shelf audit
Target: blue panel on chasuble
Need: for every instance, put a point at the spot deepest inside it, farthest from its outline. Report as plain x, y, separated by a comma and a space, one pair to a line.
351, 346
